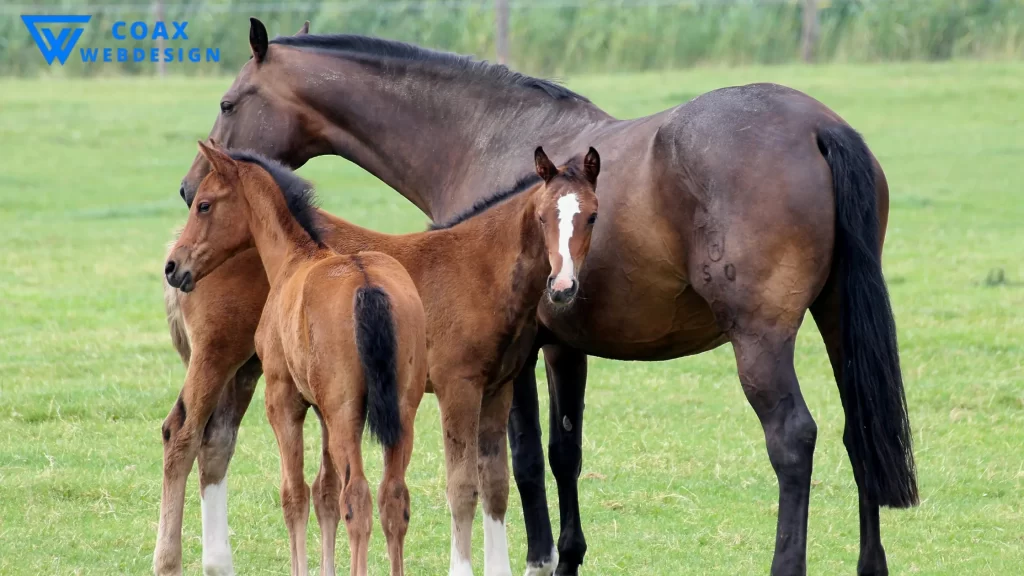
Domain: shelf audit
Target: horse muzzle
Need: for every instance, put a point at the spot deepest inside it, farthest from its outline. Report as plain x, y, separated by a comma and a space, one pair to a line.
562, 293
179, 278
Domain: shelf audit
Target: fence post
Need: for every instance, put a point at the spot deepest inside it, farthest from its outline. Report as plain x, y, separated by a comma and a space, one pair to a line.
809, 40
501, 19
158, 13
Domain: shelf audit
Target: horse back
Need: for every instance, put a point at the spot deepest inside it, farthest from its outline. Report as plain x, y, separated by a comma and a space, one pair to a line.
312, 317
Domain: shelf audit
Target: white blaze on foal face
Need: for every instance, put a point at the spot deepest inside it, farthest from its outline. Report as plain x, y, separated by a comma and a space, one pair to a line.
567, 207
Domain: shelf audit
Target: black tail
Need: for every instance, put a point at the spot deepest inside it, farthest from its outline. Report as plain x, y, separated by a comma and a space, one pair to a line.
872, 386
378, 347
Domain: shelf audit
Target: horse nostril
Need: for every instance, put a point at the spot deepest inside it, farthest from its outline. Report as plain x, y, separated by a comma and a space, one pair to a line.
551, 283
572, 287
169, 268
181, 190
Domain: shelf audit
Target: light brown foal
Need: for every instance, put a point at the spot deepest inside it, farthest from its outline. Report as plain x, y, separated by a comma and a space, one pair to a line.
345, 334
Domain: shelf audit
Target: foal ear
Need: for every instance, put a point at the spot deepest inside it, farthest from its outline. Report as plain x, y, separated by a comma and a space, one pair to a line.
220, 162
592, 165
545, 168
304, 29
258, 40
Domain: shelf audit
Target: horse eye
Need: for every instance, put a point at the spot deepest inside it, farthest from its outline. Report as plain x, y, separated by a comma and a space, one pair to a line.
226, 107
541, 218
592, 219
204, 206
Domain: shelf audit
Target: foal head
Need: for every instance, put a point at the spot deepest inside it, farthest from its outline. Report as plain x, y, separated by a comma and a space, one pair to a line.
566, 210
217, 227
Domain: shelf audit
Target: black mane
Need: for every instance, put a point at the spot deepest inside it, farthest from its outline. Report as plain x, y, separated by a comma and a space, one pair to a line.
571, 170
482, 205
365, 45
299, 194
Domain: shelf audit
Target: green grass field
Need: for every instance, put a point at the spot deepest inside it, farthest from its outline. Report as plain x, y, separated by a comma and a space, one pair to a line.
675, 476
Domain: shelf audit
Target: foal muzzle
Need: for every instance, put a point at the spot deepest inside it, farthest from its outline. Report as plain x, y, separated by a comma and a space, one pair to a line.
561, 294
178, 278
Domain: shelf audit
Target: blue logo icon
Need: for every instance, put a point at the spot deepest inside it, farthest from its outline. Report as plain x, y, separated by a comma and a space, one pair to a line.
57, 47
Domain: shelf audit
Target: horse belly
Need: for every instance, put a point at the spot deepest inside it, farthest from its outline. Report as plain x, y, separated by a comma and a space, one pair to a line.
647, 325
641, 308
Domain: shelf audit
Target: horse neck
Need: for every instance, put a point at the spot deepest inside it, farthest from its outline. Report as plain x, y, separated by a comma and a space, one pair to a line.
279, 238
503, 243
508, 242
441, 139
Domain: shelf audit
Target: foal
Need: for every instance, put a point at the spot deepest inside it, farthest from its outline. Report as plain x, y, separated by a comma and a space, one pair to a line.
481, 277
344, 334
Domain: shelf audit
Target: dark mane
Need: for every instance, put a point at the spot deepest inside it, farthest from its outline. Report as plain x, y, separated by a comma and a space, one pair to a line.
298, 193
571, 170
482, 205
379, 47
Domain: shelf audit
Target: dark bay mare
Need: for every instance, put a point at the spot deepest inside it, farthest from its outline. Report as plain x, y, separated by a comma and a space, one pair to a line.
724, 219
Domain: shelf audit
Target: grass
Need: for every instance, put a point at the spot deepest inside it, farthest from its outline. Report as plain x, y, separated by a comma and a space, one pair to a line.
675, 478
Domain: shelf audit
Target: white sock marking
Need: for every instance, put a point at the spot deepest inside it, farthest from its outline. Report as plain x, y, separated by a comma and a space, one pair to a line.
496, 561
546, 568
458, 566
216, 543
568, 206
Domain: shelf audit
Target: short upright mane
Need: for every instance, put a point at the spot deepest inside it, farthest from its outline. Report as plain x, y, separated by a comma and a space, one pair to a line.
572, 170
482, 205
299, 194
379, 47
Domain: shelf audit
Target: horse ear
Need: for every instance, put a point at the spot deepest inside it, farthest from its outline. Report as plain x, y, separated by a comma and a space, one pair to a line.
545, 168
220, 162
304, 29
592, 165
258, 40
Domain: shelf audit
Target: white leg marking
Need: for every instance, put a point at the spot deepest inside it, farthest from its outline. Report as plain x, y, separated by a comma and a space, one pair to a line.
495, 548
545, 568
458, 566
568, 206
216, 544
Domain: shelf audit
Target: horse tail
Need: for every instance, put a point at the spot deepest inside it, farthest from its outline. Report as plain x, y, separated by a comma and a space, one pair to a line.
870, 379
378, 348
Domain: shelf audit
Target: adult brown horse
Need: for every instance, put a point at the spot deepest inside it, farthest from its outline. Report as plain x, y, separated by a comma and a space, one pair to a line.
730, 217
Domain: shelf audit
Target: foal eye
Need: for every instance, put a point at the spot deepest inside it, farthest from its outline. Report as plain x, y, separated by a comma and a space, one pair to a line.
592, 219
204, 206
226, 107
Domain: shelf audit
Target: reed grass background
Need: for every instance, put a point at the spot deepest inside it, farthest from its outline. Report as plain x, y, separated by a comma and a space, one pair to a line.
561, 37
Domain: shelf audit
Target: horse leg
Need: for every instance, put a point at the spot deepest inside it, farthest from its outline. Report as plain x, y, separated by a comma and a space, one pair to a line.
764, 359
524, 437
345, 427
182, 432
460, 418
286, 411
493, 473
393, 494
825, 311
326, 494
215, 452
567, 381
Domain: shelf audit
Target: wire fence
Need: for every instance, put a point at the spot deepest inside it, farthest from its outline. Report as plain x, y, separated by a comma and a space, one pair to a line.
547, 36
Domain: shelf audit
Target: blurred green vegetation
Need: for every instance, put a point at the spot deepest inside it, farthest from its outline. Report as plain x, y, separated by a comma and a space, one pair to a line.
558, 36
